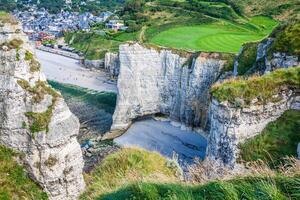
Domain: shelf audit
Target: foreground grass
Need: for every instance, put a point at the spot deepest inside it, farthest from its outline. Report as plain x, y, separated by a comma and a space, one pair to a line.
220, 37
264, 188
263, 87
14, 181
125, 167
278, 140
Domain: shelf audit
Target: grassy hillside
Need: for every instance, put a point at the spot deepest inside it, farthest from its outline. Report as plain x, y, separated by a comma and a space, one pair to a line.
214, 26
14, 181
278, 188
278, 9
261, 87
93, 46
279, 139
125, 167
221, 36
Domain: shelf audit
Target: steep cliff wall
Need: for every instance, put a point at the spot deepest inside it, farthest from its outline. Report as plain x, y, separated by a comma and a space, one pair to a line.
161, 81
35, 120
241, 109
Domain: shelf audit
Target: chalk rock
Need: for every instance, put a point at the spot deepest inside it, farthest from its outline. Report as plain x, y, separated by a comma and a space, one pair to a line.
52, 154
161, 81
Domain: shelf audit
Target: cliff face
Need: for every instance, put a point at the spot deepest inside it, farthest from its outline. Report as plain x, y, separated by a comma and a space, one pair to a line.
160, 81
231, 125
35, 120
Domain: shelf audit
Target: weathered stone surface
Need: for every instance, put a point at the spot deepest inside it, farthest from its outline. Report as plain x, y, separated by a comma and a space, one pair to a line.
53, 158
160, 81
111, 64
96, 64
231, 125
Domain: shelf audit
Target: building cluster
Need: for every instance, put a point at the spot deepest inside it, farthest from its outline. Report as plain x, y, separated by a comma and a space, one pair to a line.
40, 25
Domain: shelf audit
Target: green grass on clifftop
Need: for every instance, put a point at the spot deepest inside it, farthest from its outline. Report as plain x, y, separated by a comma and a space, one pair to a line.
127, 166
261, 87
221, 36
14, 181
278, 140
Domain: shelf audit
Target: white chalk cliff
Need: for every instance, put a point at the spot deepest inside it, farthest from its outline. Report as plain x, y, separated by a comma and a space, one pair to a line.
160, 81
52, 154
163, 81
231, 125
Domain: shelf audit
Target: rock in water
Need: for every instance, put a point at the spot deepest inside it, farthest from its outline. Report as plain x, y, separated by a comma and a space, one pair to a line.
35, 120
161, 81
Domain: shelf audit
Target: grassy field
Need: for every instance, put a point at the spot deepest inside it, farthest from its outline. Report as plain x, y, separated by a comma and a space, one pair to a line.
279, 139
221, 36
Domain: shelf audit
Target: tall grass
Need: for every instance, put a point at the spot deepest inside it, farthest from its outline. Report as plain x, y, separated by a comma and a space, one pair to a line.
125, 167
263, 188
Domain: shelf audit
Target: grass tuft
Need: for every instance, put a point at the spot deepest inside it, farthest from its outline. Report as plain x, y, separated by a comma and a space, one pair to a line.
127, 166
39, 121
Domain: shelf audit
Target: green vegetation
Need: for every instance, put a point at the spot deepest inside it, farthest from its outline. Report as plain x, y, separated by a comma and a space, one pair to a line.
6, 17
279, 9
278, 140
35, 66
247, 57
13, 44
39, 121
277, 188
93, 46
127, 166
220, 36
287, 39
263, 87
14, 181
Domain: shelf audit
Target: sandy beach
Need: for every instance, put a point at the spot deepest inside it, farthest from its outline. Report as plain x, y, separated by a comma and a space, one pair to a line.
67, 70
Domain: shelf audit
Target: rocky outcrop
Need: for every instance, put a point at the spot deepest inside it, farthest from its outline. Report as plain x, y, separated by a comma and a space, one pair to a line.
161, 81
264, 60
231, 125
111, 64
35, 120
93, 64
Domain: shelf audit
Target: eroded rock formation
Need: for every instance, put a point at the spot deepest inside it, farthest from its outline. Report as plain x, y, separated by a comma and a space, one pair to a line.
231, 124
161, 81
35, 120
